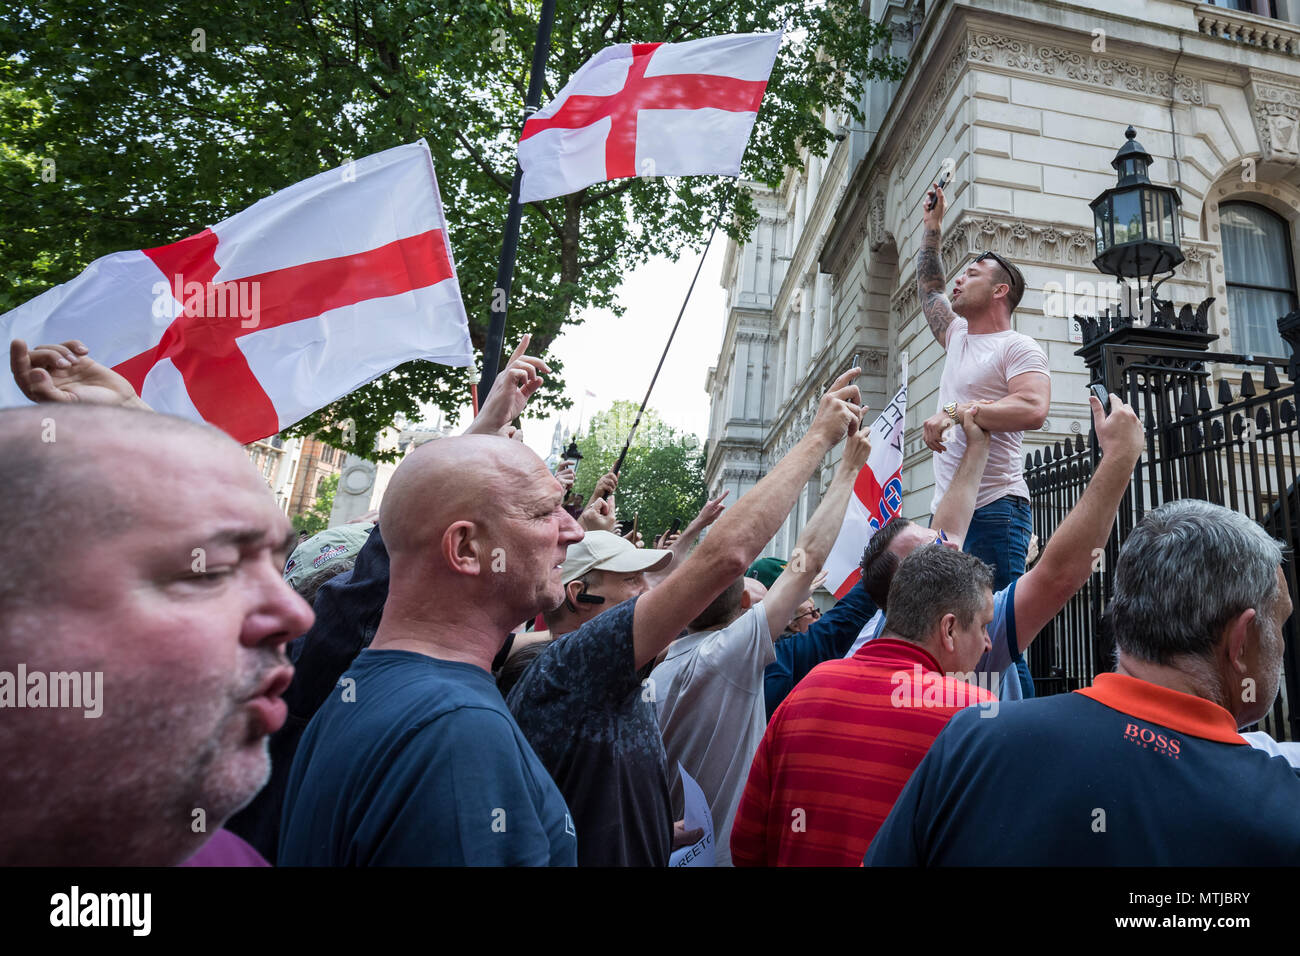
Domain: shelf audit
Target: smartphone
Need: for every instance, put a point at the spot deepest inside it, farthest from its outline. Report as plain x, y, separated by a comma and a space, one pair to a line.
944, 177
622, 528
1102, 396
677, 523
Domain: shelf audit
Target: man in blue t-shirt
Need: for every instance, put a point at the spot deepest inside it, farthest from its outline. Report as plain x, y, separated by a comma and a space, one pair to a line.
413, 759
1146, 767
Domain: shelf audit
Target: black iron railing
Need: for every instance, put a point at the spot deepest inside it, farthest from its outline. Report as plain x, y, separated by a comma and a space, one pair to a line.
1234, 441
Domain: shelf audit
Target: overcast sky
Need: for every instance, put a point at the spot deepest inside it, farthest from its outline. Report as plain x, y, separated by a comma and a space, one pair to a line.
615, 357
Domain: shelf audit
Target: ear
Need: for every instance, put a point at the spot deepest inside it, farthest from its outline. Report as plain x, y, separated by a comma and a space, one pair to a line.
460, 548
1238, 633
571, 592
746, 602
948, 632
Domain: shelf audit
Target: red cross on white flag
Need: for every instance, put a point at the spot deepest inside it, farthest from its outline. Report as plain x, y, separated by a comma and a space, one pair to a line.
260, 320
877, 494
649, 109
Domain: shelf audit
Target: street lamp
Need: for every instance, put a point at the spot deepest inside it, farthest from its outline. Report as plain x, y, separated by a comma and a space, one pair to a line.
572, 454
1136, 222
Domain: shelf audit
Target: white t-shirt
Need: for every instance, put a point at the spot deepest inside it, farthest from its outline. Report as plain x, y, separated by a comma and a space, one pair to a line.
978, 368
709, 695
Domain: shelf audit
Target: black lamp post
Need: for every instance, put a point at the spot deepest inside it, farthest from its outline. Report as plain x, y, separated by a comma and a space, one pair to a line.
1136, 222
572, 454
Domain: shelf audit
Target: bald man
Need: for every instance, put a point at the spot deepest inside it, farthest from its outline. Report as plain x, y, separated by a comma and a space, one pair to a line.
143, 618
414, 758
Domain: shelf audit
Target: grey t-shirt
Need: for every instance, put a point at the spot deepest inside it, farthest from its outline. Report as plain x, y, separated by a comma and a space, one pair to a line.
709, 693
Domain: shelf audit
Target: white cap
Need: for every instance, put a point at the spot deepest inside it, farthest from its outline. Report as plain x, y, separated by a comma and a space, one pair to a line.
604, 551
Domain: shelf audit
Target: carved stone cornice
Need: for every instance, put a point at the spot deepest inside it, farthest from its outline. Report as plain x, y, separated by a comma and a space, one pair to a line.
1275, 106
1085, 67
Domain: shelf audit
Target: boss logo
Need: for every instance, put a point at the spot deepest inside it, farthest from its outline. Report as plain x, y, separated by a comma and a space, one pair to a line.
1150, 740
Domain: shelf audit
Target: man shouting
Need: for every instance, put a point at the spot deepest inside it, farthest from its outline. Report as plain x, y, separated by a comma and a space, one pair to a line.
1000, 373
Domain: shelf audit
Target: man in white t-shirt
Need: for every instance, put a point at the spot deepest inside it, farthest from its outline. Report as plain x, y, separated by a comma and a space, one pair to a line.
1000, 373
708, 690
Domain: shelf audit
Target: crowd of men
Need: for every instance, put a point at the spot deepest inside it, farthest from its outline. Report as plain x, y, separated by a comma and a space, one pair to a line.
481, 676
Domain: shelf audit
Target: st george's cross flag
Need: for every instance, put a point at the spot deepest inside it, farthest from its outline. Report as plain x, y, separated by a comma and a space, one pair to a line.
649, 109
260, 320
877, 495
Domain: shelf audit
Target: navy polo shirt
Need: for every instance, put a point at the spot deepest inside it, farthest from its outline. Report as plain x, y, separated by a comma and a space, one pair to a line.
1123, 773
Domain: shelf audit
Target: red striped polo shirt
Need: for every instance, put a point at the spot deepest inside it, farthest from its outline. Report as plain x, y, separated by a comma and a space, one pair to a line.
839, 751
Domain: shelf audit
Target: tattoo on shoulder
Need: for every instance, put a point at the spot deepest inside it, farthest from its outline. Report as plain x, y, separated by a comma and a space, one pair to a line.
938, 313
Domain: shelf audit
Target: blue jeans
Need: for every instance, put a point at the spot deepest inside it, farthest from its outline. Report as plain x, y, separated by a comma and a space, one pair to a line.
999, 534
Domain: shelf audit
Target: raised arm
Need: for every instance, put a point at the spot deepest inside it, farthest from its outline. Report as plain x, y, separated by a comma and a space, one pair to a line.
682, 543
1068, 558
740, 534
795, 582
957, 505
929, 270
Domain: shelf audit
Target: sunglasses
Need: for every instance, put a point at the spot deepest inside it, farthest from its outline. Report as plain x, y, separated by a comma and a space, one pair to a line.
1006, 266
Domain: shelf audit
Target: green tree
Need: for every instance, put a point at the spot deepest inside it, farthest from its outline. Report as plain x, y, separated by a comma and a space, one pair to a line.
662, 477
127, 125
317, 518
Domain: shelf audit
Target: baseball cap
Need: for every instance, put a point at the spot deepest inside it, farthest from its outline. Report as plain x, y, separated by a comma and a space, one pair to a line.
766, 570
321, 550
605, 551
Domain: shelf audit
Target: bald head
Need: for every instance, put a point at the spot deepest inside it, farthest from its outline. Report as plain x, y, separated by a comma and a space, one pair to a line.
464, 478
474, 522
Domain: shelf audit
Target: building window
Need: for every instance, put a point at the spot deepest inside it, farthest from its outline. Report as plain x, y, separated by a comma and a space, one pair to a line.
1260, 275
269, 466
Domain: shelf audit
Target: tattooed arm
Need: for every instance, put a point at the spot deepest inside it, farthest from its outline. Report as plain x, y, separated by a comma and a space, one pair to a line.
929, 271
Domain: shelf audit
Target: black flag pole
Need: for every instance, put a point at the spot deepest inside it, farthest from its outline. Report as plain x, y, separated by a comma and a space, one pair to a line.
645, 401
510, 244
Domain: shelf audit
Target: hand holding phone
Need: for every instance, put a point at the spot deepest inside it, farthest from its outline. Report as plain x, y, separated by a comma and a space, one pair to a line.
944, 177
1102, 396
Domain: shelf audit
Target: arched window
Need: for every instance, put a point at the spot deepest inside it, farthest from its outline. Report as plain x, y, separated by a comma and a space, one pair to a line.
1260, 275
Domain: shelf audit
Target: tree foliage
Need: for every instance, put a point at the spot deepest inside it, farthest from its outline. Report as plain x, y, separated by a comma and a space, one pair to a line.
164, 117
317, 518
662, 477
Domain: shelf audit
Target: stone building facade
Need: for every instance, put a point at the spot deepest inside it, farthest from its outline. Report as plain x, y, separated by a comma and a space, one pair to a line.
1029, 101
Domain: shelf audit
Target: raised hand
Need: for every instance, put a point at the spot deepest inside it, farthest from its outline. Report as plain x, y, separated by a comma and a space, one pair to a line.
973, 430
931, 218
67, 373
606, 485
710, 513
1119, 433
856, 451
840, 411
599, 515
510, 392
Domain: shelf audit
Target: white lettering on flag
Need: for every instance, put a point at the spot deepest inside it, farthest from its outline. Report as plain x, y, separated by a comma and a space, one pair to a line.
877, 494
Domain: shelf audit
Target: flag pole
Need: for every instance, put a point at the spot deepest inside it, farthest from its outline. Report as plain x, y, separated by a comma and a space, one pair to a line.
510, 244
645, 401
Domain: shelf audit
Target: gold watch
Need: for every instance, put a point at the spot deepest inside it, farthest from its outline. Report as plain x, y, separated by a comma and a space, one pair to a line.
951, 409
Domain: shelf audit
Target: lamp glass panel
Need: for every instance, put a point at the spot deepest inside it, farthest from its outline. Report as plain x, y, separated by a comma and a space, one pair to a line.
1128, 216
1151, 213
